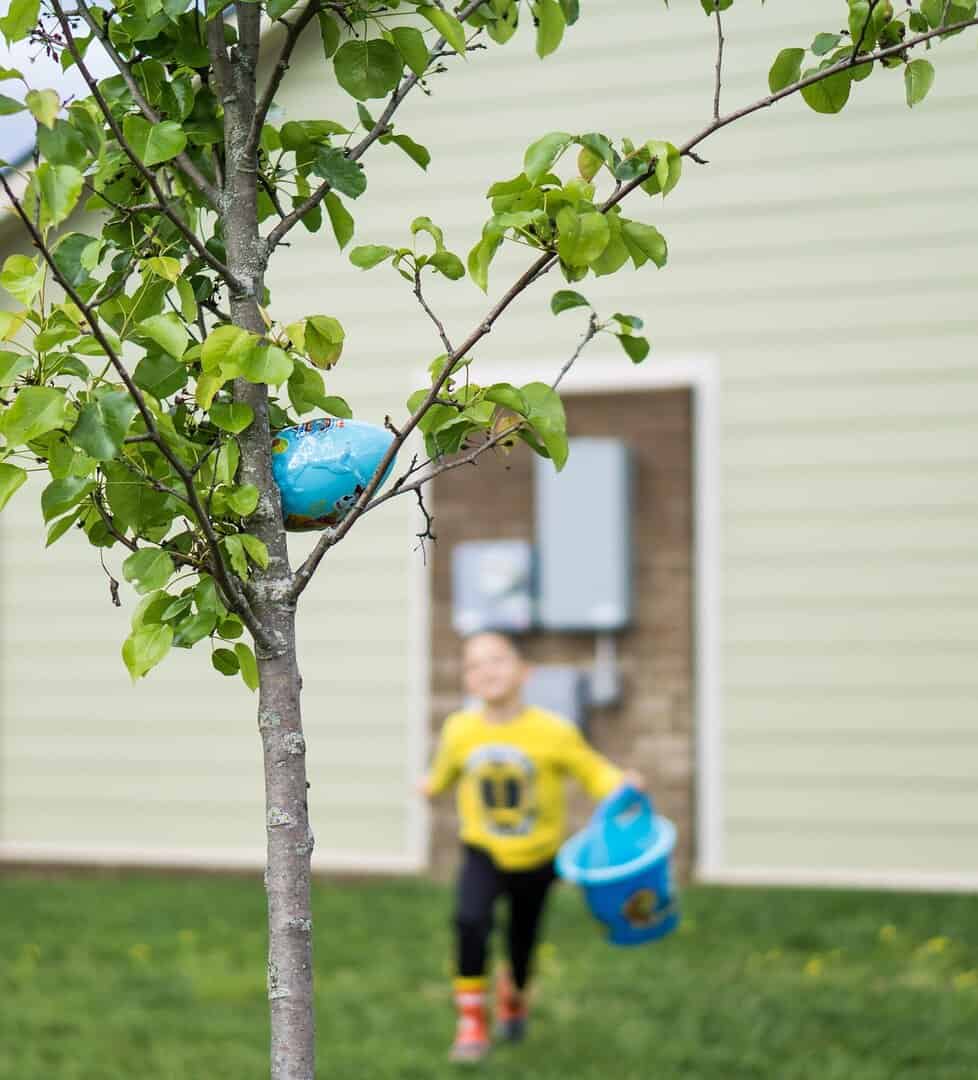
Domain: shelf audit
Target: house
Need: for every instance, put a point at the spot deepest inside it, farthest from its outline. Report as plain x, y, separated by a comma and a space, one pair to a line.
801, 682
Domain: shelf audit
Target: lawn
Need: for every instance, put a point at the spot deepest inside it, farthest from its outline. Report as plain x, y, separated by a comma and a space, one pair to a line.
157, 978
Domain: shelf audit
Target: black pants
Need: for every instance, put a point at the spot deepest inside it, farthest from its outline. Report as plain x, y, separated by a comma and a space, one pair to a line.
480, 884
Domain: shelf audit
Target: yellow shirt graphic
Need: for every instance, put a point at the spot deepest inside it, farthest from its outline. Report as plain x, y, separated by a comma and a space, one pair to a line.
511, 781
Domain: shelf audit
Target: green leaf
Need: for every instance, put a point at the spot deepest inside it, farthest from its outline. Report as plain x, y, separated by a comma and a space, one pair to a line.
9, 106
370, 255
44, 106
711, 6
344, 175
146, 647
324, 340
632, 322
20, 19
165, 267
550, 27
243, 500
829, 95
668, 168
206, 388
103, 423
11, 478
481, 256
509, 397
61, 526
188, 302
236, 555
368, 69
248, 664
636, 347
166, 139
565, 299
447, 25
419, 154
445, 262
329, 31
644, 242
61, 495
340, 219
277, 8
160, 375
233, 417
410, 42
582, 237
225, 661
918, 77
148, 569
36, 410
22, 278
194, 628
542, 155
823, 44
548, 420
336, 406
12, 366
230, 628
167, 331
256, 550
267, 364
786, 69
60, 187
225, 347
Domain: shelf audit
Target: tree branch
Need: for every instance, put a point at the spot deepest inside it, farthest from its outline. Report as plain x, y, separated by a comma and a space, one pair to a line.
188, 234
719, 67
431, 315
857, 45
277, 234
227, 582
292, 34
189, 169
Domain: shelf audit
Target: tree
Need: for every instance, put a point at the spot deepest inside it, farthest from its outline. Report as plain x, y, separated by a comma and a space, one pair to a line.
149, 383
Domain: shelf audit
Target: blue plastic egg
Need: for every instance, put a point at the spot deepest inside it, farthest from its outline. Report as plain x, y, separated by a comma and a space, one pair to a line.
322, 467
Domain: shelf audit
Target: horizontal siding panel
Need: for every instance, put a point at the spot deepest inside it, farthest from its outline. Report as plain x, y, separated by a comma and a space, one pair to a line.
894, 671
905, 532
778, 763
853, 625
854, 846
837, 716
901, 806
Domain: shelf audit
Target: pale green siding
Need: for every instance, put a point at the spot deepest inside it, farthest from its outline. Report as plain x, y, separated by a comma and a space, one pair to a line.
827, 263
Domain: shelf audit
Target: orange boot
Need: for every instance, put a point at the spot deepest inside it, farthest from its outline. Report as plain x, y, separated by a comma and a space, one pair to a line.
511, 1009
472, 1033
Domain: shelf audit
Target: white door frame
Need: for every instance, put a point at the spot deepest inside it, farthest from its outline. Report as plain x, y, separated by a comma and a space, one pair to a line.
611, 372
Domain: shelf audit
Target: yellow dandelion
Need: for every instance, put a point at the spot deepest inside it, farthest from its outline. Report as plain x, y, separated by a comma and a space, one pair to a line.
966, 980
935, 945
814, 967
140, 953
547, 951
888, 933
186, 937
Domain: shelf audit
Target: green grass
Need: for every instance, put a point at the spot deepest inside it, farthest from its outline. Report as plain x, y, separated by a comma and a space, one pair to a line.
155, 978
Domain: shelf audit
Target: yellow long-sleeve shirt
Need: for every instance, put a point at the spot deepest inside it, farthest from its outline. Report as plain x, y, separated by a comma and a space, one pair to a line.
511, 781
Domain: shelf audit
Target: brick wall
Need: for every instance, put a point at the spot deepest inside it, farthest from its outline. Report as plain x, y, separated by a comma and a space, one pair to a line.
652, 728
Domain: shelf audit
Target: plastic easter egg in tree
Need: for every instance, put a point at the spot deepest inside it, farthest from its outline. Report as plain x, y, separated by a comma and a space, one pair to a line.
322, 467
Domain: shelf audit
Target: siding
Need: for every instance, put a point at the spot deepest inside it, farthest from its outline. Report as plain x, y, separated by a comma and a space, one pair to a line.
827, 263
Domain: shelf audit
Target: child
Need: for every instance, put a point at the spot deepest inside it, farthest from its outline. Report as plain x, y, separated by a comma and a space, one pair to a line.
510, 761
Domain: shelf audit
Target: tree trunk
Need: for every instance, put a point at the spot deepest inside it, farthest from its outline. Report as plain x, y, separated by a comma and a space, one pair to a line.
289, 838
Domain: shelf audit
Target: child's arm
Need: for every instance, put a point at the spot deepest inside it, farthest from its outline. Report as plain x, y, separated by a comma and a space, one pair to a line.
445, 768
595, 773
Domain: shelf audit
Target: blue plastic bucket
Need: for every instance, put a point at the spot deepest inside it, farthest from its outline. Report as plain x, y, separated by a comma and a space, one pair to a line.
622, 862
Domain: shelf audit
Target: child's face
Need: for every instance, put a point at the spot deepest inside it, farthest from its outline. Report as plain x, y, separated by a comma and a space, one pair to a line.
492, 669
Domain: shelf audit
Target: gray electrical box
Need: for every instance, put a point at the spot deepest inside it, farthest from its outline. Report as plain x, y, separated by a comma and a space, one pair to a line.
583, 532
561, 689
492, 586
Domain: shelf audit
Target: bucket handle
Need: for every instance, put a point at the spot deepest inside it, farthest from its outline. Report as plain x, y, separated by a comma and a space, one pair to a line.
622, 799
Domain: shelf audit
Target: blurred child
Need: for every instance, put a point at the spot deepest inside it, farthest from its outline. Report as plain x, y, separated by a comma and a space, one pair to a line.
509, 761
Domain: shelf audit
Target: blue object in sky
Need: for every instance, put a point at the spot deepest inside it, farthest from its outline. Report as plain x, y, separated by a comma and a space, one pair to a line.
322, 467
622, 861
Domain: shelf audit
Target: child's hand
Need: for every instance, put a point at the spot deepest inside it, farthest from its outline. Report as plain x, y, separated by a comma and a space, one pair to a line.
634, 779
424, 787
